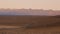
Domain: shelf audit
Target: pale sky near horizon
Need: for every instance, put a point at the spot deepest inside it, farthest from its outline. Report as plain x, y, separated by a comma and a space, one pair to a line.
35, 4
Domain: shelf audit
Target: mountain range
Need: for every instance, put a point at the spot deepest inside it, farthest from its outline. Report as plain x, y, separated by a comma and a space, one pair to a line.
30, 12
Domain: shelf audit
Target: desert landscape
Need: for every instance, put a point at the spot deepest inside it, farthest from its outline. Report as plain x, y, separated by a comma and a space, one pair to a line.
29, 16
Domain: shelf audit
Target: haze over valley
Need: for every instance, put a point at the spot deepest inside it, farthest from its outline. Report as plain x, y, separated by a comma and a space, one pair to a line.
40, 12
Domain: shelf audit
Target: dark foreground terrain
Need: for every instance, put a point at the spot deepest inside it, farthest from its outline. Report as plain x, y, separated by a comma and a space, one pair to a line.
30, 24
29, 20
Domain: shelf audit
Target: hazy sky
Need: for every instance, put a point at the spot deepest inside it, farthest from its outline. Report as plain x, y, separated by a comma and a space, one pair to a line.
36, 4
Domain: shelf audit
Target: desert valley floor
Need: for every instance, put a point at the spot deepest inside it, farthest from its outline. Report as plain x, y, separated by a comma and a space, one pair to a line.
29, 25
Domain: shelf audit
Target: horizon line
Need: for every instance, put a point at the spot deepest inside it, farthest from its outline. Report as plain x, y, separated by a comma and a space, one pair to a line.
27, 9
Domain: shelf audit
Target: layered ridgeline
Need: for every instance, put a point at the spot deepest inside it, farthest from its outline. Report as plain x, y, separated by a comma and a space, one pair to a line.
45, 18
29, 12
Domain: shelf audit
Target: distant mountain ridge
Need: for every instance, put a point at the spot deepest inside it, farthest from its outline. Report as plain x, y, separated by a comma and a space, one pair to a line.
30, 12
